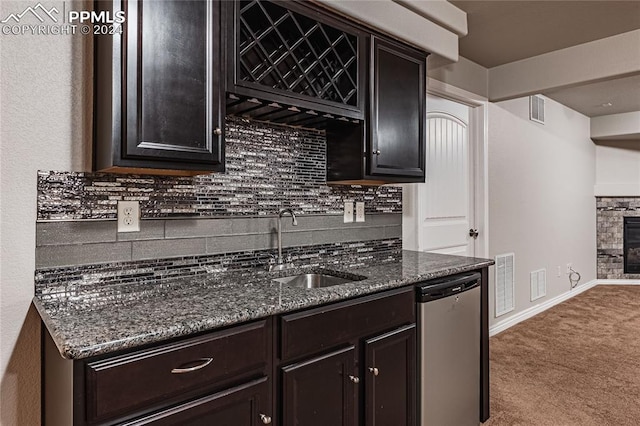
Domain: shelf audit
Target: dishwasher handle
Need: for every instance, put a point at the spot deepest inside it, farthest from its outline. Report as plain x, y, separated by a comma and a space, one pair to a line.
437, 289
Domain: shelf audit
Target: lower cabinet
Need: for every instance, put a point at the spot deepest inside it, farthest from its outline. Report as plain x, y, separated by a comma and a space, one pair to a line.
362, 372
243, 405
321, 390
220, 378
390, 378
342, 364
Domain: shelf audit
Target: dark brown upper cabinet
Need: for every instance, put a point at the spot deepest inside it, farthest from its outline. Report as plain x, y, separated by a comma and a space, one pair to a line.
292, 63
159, 104
390, 148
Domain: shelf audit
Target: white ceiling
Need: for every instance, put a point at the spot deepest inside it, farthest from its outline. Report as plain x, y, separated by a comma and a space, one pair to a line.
501, 32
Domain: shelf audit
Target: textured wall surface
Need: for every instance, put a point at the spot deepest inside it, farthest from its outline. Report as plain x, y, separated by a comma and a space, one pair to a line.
611, 212
45, 98
541, 203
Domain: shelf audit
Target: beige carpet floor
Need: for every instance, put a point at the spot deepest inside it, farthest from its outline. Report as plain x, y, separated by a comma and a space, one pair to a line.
577, 363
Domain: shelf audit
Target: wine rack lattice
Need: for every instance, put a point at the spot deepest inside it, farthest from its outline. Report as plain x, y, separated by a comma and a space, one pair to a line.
288, 51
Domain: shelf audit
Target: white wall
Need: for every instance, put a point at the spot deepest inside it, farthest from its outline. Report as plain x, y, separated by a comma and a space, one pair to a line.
541, 203
618, 168
464, 74
624, 126
44, 92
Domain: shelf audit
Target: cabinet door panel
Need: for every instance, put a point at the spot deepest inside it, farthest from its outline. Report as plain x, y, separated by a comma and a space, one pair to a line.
169, 96
390, 382
319, 391
398, 110
243, 405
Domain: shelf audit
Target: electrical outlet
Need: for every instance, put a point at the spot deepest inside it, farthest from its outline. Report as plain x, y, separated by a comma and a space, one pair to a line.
348, 211
569, 265
360, 211
128, 216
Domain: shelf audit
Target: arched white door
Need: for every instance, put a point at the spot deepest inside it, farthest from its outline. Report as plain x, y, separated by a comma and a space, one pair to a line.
443, 205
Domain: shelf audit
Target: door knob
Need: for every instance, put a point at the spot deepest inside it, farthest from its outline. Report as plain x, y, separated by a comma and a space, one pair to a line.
473, 233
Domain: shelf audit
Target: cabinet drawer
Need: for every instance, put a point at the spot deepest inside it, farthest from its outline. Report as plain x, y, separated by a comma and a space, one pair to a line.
244, 405
130, 382
321, 328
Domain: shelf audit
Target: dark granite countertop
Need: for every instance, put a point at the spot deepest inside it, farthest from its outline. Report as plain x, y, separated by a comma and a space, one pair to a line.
86, 325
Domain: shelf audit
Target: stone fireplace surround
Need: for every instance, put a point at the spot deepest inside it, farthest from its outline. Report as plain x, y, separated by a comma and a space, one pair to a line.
610, 214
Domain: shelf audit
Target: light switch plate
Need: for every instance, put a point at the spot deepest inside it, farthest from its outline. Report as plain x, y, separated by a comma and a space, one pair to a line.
128, 216
360, 211
348, 211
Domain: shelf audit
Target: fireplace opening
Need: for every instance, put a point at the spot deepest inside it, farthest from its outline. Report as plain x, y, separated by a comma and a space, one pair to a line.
631, 245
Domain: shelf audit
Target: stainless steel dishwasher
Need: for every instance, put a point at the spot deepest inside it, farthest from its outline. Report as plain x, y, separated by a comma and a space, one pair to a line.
449, 350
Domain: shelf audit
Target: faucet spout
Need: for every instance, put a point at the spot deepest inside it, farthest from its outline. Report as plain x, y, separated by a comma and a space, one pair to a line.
290, 211
280, 265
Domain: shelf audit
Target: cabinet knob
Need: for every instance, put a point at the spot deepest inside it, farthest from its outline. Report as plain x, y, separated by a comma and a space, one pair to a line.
217, 131
374, 370
354, 379
265, 419
377, 152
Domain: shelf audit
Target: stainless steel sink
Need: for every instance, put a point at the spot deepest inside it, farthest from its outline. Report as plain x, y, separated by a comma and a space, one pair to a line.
316, 280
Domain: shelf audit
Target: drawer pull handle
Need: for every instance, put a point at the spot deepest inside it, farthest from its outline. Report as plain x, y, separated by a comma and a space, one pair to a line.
354, 379
374, 370
203, 364
265, 419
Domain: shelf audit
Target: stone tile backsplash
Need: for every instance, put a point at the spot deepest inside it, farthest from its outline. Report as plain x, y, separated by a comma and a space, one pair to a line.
210, 223
610, 213
268, 167
120, 278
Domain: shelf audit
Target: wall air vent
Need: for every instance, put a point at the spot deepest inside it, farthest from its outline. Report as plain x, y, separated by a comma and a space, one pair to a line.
536, 108
538, 280
505, 273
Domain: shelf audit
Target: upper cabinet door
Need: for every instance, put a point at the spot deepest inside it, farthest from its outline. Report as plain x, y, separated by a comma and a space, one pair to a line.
296, 55
158, 98
172, 106
397, 118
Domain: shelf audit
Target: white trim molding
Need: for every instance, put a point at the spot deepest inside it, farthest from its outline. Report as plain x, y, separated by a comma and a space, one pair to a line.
619, 282
479, 137
616, 190
535, 310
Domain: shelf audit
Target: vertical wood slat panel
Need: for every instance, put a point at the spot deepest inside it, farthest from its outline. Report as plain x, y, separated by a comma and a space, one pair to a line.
447, 169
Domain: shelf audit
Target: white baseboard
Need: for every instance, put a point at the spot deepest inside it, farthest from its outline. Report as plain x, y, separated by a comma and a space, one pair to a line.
535, 310
619, 282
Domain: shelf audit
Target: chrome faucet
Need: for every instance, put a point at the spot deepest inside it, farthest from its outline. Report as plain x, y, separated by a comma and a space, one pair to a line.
280, 265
